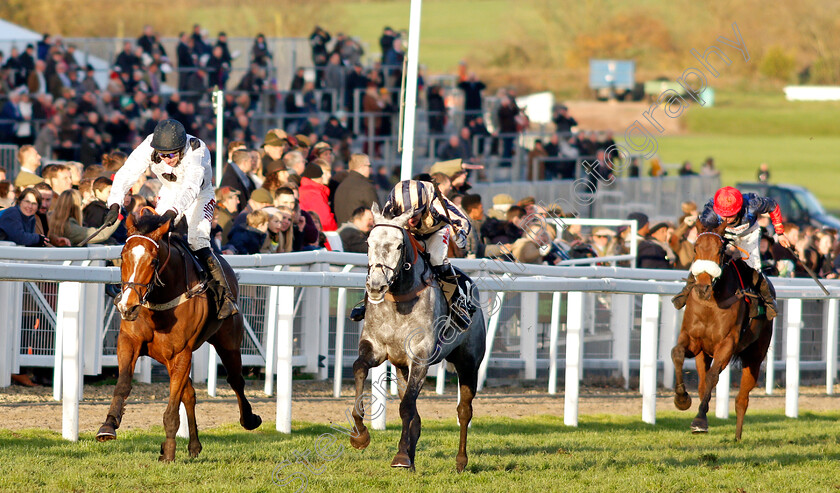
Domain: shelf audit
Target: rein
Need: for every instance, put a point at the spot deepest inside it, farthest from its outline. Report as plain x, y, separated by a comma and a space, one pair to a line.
740, 293
156, 281
417, 250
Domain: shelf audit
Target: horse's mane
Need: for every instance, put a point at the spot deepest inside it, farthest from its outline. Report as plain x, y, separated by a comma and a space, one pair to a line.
146, 223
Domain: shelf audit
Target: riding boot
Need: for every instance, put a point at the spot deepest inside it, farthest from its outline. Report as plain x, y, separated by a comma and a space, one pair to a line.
227, 304
680, 299
457, 293
767, 293
357, 314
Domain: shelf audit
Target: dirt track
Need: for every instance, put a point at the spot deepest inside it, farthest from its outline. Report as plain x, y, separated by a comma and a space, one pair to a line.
22, 407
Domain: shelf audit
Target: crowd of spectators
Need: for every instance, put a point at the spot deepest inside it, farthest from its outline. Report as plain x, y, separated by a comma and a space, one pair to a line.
49, 99
288, 195
291, 195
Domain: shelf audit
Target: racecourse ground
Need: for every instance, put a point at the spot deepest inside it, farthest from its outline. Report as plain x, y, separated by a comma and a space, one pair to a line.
517, 442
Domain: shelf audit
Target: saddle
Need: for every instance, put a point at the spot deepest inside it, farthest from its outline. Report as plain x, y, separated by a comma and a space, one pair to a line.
178, 242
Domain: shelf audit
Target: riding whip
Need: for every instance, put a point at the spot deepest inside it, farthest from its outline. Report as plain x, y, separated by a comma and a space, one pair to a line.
809, 271
86, 240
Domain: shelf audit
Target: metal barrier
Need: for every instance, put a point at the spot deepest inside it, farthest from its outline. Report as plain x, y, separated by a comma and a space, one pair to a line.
653, 196
608, 321
9, 161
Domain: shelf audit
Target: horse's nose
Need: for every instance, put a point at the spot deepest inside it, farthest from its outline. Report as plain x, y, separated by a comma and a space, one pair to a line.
129, 313
704, 291
375, 291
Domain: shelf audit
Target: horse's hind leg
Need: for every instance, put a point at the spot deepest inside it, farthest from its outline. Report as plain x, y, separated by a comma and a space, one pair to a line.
681, 398
188, 399
467, 381
128, 350
751, 359
366, 360
179, 375
410, 418
227, 346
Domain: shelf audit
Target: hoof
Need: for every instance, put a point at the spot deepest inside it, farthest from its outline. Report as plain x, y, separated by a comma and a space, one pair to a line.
106, 432
167, 453
699, 426
460, 464
402, 460
362, 441
195, 450
252, 423
682, 402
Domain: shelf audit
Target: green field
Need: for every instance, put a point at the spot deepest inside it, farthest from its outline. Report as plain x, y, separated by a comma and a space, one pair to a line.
449, 30
798, 140
606, 453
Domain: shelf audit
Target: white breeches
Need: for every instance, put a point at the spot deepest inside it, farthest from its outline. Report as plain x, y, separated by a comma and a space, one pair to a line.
198, 215
437, 246
749, 243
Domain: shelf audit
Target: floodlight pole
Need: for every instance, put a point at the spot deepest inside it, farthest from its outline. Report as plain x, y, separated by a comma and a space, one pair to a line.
411, 91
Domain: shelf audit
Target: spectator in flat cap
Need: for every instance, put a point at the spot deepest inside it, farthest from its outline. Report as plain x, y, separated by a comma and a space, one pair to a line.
276, 175
259, 199
273, 147
654, 252
449, 167
356, 190
314, 196
501, 204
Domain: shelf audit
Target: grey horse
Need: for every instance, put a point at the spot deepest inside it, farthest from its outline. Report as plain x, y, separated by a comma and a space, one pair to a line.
406, 323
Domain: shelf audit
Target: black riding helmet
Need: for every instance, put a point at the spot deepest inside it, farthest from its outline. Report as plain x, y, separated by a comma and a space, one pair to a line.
169, 135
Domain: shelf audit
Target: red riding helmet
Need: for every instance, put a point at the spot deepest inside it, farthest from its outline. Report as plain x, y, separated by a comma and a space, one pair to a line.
728, 202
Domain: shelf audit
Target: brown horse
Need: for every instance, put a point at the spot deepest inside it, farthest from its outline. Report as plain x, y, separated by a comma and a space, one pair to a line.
167, 314
717, 328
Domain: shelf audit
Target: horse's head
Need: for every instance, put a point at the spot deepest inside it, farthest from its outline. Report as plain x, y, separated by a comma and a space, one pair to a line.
708, 260
140, 260
387, 244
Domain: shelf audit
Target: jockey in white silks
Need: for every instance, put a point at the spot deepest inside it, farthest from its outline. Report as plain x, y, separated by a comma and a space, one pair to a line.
740, 214
182, 163
434, 218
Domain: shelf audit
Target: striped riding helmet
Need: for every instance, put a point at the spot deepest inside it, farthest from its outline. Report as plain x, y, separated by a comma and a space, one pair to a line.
410, 195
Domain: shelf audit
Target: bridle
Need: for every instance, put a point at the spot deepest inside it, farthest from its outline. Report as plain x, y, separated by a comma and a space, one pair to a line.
154, 281
402, 261
721, 253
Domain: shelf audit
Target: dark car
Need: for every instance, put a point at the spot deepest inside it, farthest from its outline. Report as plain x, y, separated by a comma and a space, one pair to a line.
799, 206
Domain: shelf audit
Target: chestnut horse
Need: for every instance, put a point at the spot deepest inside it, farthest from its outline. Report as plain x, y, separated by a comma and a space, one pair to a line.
167, 315
717, 328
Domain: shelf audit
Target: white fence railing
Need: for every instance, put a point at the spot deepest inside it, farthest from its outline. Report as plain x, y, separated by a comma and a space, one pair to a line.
541, 319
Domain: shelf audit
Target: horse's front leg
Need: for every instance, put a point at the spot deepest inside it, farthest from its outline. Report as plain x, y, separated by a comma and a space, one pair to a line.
723, 353
179, 374
681, 398
410, 418
128, 350
361, 438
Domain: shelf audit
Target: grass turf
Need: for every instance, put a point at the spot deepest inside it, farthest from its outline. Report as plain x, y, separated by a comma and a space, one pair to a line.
606, 453
796, 139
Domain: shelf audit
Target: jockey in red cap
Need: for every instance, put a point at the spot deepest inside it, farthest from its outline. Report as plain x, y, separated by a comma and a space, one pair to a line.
740, 212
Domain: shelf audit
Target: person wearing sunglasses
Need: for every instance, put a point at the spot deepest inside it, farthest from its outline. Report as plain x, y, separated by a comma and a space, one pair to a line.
182, 163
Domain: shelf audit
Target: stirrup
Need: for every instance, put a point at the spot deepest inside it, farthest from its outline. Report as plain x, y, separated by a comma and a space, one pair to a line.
227, 307
460, 316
